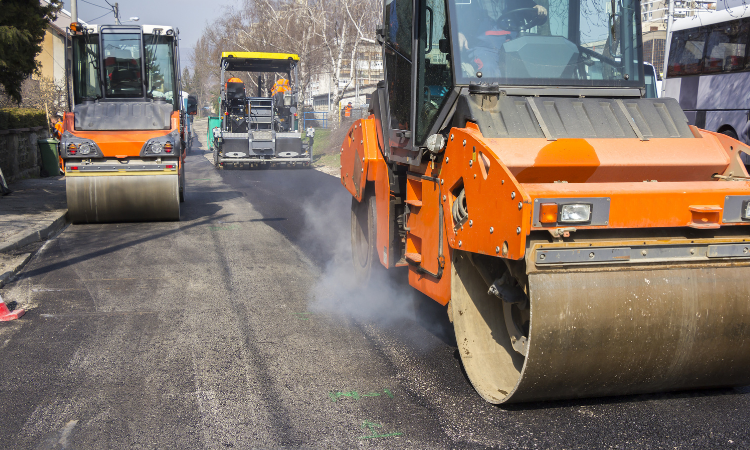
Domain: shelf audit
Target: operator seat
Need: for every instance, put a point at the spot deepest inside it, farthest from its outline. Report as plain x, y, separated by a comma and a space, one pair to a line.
236, 96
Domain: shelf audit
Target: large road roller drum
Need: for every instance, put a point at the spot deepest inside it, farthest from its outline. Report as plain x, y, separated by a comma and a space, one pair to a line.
123, 143
124, 198
598, 333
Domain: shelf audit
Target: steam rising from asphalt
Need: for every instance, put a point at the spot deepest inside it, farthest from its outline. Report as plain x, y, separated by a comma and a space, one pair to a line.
388, 299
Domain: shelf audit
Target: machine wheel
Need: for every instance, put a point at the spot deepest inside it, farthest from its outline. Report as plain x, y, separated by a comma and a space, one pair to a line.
730, 132
364, 230
136, 198
567, 333
182, 184
493, 367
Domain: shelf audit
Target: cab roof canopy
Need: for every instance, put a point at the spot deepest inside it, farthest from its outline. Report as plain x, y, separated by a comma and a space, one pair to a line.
258, 61
146, 29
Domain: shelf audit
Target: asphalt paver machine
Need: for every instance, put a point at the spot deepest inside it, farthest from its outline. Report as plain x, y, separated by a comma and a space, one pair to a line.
586, 240
122, 142
259, 131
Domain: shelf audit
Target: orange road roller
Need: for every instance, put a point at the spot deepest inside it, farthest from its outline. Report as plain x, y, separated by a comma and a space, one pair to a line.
121, 144
587, 241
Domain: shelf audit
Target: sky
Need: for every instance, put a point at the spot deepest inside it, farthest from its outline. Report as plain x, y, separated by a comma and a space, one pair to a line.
190, 16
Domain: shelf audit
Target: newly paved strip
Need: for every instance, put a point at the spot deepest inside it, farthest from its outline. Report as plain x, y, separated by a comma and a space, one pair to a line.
240, 327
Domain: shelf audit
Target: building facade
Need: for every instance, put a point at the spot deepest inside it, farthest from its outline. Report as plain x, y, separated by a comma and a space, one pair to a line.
362, 74
52, 56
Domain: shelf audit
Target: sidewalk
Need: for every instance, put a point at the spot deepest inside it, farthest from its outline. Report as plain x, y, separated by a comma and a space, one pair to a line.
35, 210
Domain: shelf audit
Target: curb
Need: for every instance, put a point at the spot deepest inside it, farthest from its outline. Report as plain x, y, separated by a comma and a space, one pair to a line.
36, 235
16, 266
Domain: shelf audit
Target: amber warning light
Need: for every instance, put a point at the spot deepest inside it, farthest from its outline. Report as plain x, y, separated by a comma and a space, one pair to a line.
548, 212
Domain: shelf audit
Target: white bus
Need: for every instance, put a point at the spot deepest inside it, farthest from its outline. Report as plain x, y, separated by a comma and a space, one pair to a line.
708, 70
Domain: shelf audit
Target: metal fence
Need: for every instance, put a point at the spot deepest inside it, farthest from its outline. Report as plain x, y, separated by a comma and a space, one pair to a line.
315, 119
331, 119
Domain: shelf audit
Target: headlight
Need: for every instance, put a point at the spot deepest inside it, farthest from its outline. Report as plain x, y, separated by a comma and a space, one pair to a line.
75, 147
746, 210
156, 148
576, 213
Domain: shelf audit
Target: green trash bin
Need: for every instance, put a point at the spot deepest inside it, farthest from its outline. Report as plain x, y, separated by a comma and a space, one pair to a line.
50, 158
213, 122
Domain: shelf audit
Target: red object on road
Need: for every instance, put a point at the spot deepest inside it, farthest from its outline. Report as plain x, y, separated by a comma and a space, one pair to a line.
6, 314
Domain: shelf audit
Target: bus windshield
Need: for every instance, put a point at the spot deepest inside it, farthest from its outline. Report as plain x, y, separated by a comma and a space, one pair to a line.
547, 42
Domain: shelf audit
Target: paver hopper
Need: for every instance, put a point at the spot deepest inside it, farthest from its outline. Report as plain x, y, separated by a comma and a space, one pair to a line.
586, 240
121, 144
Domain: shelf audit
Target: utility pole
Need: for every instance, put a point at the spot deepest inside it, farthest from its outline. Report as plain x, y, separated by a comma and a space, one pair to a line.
117, 13
670, 18
74, 11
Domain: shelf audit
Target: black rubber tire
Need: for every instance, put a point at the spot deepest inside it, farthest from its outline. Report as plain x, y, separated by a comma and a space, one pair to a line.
363, 236
730, 132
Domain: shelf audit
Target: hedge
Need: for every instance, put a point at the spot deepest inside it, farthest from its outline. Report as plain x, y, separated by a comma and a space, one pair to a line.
12, 118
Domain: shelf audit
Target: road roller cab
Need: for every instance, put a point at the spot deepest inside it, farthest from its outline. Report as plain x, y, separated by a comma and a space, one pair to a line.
259, 131
121, 143
586, 240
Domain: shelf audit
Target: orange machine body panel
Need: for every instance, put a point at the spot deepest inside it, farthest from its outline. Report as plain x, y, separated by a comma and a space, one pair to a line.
429, 261
359, 149
362, 163
121, 143
610, 160
659, 183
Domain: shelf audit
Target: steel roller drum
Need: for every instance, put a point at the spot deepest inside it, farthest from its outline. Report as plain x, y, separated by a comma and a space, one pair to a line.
124, 198
609, 332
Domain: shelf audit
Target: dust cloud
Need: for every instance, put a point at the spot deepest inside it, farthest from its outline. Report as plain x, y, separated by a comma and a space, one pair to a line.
384, 299
387, 301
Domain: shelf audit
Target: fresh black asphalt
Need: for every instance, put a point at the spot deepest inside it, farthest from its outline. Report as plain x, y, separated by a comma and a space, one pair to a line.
240, 327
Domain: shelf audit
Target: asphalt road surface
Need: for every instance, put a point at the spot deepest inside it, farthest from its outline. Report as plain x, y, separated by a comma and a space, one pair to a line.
240, 327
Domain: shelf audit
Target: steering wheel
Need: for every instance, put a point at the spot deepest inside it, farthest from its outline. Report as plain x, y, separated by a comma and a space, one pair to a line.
521, 19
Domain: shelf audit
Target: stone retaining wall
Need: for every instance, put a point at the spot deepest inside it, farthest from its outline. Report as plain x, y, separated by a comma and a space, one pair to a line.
19, 152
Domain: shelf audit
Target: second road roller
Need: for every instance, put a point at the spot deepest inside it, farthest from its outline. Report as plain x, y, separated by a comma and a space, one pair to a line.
121, 144
586, 240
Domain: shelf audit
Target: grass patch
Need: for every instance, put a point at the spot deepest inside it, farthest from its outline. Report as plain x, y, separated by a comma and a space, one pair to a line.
328, 160
322, 142
323, 154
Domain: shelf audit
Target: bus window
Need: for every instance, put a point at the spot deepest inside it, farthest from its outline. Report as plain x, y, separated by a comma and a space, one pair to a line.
686, 52
649, 76
726, 48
